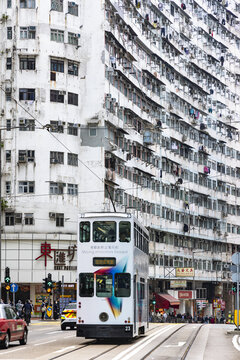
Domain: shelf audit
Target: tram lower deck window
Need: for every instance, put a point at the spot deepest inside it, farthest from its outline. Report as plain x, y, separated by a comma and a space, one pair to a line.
122, 285
86, 284
104, 285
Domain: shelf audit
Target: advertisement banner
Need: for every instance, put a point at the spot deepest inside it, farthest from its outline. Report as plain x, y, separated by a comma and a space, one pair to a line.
185, 294
174, 284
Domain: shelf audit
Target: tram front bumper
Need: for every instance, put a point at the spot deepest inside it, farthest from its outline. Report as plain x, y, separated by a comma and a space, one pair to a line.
105, 331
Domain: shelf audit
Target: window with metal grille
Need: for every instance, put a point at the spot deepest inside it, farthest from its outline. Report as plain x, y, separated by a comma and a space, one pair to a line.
9, 63
57, 65
9, 4
9, 33
26, 187
59, 219
27, 63
27, 32
57, 126
57, 96
8, 124
9, 219
27, 4
57, 5
72, 129
26, 124
73, 38
57, 35
56, 188
72, 189
72, 68
73, 99
8, 187
72, 159
72, 8
8, 155
27, 94
28, 219
56, 157
26, 155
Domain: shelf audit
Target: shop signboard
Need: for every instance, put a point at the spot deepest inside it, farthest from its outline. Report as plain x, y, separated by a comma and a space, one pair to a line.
176, 284
219, 304
185, 294
185, 272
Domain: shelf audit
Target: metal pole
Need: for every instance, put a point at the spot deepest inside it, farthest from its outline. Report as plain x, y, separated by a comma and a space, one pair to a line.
238, 292
194, 298
13, 298
62, 286
1, 215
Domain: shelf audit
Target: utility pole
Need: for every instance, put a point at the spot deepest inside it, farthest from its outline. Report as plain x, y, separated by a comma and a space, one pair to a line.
1, 215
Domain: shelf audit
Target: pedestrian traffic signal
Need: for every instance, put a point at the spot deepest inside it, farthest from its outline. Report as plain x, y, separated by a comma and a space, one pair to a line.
234, 287
45, 283
49, 283
7, 278
59, 286
154, 301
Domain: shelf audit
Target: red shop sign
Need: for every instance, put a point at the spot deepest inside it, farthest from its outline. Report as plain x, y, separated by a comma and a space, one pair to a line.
185, 294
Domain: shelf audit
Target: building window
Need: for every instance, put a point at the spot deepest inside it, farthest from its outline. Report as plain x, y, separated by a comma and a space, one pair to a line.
27, 4
72, 99
8, 156
72, 159
56, 188
9, 219
57, 126
28, 32
72, 68
72, 8
56, 157
73, 38
26, 156
9, 33
27, 63
26, 124
9, 63
72, 189
28, 219
57, 35
92, 131
8, 187
57, 5
59, 219
27, 94
57, 65
9, 4
8, 124
72, 129
57, 96
26, 187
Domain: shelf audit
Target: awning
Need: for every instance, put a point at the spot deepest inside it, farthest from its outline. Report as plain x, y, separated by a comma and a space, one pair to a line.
165, 301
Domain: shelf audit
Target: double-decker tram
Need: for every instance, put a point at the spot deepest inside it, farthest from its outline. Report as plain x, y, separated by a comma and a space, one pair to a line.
112, 295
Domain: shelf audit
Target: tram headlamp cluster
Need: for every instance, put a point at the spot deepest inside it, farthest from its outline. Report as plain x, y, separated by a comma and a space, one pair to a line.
127, 328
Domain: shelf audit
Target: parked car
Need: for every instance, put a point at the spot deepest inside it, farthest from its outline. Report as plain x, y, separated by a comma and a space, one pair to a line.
12, 328
69, 316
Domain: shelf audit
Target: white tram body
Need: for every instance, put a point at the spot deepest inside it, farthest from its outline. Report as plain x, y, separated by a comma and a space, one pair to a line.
112, 291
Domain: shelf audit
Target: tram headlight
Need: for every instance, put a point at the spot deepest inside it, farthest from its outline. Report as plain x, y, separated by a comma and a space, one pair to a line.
127, 328
103, 317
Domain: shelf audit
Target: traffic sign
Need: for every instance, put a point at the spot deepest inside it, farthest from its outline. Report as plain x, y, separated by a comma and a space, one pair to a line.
233, 268
14, 288
236, 258
236, 277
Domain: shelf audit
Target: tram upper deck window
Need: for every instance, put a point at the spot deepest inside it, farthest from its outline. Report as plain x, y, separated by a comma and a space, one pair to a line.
122, 283
86, 284
84, 231
104, 285
124, 231
104, 231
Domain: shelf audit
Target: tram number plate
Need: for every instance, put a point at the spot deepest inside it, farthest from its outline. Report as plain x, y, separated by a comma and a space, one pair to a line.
104, 261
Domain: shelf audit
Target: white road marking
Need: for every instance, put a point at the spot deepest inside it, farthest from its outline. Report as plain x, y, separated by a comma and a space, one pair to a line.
64, 349
43, 343
180, 343
132, 351
8, 352
235, 342
69, 336
54, 332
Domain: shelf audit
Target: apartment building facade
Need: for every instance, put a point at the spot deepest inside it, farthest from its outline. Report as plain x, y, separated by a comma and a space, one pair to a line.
125, 105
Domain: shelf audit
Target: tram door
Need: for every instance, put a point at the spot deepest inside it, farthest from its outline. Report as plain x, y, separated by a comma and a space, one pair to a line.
135, 301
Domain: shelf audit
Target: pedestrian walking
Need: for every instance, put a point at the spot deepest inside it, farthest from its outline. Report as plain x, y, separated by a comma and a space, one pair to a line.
27, 309
43, 310
55, 310
19, 307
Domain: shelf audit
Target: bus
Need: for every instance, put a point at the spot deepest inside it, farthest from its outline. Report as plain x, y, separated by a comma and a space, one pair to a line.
112, 291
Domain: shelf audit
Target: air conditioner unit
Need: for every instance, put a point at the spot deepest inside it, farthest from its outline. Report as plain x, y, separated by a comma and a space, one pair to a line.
62, 92
52, 215
22, 121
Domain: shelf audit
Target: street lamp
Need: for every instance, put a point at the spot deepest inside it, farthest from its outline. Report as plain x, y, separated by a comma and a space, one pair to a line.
194, 295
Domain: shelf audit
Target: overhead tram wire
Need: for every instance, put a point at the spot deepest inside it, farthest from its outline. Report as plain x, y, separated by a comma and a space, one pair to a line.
60, 142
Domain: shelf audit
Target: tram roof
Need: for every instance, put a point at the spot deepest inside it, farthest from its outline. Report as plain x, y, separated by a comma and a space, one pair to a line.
105, 214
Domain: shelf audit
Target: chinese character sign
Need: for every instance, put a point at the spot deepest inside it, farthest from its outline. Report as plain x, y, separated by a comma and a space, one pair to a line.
185, 272
45, 251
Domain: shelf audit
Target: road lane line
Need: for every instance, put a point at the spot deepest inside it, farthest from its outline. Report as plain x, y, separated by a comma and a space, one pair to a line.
143, 342
64, 349
47, 342
69, 336
8, 352
54, 332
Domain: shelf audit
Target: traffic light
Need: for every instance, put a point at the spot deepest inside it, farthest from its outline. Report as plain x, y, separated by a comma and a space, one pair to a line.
7, 278
234, 287
59, 286
49, 283
154, 301
45, 283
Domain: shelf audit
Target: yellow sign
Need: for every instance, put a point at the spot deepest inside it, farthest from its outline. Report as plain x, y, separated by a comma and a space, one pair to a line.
7, 287
235, 317
185, 272
174, 284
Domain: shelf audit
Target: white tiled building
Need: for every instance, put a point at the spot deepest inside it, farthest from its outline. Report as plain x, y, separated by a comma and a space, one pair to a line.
143, 94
